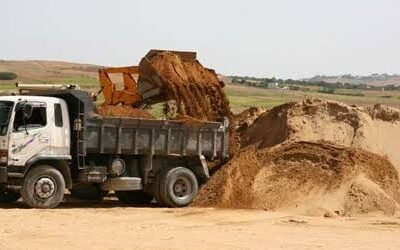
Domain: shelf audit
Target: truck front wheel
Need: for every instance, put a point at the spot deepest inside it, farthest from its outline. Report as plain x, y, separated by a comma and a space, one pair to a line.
43, 187
177, 187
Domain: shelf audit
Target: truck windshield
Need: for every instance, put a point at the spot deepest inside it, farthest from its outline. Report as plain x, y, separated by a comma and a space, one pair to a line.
5, 113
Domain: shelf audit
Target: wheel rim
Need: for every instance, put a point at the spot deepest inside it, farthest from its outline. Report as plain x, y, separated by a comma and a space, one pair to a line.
182, 188
45, 187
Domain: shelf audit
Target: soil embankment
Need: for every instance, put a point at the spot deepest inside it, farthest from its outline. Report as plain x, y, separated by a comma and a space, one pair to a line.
313, 157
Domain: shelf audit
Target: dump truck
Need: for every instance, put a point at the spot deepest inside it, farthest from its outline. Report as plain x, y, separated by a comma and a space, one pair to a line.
52, 139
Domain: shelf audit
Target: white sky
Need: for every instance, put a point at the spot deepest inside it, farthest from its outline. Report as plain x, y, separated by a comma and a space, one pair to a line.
281, 38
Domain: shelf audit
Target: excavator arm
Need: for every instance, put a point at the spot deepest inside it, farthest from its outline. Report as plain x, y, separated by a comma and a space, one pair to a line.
129, 95
156, 74
149, 89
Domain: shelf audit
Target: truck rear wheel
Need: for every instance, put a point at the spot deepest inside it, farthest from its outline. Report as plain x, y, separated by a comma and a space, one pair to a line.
43, 187
9, 196
133, 197
177, 187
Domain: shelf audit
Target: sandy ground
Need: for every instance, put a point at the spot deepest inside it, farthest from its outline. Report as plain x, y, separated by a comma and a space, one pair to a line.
108, 226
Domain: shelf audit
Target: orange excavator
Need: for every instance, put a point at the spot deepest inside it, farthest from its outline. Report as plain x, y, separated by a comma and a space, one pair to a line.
148, 89
129, 95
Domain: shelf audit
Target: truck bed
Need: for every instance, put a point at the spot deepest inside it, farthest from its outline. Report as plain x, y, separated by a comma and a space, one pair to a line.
156, 137
138, 136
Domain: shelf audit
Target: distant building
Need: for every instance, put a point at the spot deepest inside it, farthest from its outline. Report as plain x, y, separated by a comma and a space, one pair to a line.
273, 85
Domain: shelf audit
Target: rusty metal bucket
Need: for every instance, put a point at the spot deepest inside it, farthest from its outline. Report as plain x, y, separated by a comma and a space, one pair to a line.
150, 84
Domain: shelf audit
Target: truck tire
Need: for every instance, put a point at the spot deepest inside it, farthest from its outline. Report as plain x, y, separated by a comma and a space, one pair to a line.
43, 187
9, 196
156, 188
178, 187
91, 192
133, 197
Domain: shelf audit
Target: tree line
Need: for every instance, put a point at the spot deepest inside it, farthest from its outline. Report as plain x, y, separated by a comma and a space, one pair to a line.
328, 86
8, 76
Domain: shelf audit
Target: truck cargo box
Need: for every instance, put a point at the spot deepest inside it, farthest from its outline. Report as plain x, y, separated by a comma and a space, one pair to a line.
156, 137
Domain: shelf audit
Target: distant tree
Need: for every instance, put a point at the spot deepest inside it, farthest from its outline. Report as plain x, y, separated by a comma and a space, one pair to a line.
328, 90
390, 87
8, 76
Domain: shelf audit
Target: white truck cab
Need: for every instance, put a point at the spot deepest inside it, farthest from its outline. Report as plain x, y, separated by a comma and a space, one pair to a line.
43, 133
34, 131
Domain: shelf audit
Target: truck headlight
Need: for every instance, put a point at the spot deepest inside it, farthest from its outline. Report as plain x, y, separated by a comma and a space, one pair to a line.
3, 156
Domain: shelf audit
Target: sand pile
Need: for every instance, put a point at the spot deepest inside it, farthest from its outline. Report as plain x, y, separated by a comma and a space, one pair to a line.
375, 129
384, 113
123, 111
307, 177
196, 90
239, 123
310, 157
246, 118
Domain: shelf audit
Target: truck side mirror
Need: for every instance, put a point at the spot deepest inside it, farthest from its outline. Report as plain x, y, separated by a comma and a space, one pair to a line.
19, 106
27, 111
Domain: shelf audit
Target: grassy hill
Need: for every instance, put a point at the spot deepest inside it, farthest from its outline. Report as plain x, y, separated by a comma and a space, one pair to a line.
240, 96
49, 72
373, 79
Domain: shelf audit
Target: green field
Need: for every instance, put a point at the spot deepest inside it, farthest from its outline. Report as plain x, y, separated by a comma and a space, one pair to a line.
242, 97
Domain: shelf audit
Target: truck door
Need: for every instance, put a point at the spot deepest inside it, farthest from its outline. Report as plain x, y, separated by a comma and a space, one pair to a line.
30, 136
60, 139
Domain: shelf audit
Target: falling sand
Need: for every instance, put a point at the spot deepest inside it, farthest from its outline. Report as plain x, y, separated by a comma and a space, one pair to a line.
196, 90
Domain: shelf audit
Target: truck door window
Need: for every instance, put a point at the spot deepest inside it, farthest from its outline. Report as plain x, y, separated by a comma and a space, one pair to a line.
58, 115
5, 113
38, 118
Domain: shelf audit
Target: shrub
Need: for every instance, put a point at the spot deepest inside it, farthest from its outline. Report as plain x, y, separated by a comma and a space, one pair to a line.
8, 76
351, 94
327, 90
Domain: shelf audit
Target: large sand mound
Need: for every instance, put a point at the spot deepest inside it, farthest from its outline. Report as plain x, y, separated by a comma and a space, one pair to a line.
311, 178
311, 157
376, 129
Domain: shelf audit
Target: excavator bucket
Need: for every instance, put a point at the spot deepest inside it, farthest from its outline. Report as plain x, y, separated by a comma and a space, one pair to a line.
167, 75
178, 76
128, 95
151, 84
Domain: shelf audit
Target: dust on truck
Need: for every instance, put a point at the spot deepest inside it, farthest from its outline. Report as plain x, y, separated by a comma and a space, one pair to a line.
53, 140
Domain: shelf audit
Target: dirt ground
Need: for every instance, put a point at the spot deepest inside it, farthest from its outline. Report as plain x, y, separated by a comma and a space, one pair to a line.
80, 225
